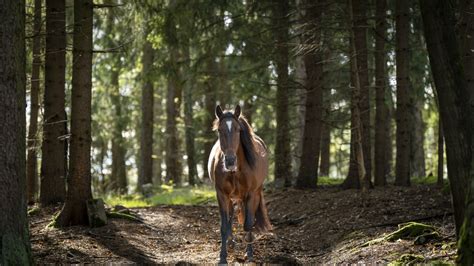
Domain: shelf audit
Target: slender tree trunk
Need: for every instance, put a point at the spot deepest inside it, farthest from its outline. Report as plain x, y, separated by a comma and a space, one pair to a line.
188, 119
352, 179
158, 143
118, 179
14, 237
173, 166
417, 138
54, 156
32, 162
454, 105
308, 172
209, 106
119, 169
325, 152
357, 99
440, 154
282, 146
146, 133
74, 211
382, 113
404, 104
359, 8
299, 79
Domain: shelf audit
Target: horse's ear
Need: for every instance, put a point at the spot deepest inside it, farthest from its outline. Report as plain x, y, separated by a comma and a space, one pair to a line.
219, 112
237, 111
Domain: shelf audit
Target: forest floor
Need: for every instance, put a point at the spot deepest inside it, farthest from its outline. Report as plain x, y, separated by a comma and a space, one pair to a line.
326, 225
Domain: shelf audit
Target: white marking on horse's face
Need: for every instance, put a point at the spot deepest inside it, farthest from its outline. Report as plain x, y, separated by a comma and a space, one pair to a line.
229, 125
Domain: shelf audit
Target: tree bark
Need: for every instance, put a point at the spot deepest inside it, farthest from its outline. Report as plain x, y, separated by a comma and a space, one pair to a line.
325, 155
417, 137
357, 98
359, 8
455, 106
74, 211
440, 154
173, 101
382, 118
210, 102
32, 160
54, 149
14, 237
404, 103
188, 119
282, 146
118, 179
308, 172
146, 133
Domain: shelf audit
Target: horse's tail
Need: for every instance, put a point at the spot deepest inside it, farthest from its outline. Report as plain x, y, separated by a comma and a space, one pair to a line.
262, 221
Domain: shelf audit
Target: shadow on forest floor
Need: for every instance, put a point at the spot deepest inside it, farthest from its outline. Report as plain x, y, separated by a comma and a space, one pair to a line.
327, 225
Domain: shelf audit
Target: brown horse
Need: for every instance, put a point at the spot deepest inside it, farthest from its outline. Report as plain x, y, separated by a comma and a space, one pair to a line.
238, 165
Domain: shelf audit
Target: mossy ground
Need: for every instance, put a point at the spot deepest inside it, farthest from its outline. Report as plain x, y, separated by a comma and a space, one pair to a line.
166, 195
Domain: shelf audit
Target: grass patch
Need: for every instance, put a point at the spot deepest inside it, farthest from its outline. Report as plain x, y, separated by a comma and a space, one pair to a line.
326, 180
425, 180
168, 195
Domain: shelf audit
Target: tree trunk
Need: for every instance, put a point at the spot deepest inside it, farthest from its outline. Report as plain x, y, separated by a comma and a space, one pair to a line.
74, 211
299, 79
359, 8
146, 133
32, 162
357, 98
158, 143
454, 105
308, 172
325, 152
440, 154
417, 137
404, 104
14, 237
352, 179
282, 146
118, 179
54, 156
188, 119
382, 118
466, 234
210, 102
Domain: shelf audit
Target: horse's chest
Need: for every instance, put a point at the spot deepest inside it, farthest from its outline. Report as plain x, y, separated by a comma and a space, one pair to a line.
237, 185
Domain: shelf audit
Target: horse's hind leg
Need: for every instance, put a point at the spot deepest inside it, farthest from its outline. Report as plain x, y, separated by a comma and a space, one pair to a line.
225, 209
251, 205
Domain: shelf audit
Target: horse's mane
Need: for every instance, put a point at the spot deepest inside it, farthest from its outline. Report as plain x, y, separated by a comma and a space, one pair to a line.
247, 137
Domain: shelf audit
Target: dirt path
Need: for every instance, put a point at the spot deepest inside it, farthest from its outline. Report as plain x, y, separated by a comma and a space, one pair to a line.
326, 225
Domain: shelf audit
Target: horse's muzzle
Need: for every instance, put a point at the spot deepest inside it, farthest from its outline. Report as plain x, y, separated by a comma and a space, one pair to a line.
230, 163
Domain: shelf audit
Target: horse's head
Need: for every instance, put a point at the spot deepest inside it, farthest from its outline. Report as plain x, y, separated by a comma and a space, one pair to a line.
228, 127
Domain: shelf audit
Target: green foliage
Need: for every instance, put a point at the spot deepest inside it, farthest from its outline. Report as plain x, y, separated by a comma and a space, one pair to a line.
424, 180
326, 180
166, 195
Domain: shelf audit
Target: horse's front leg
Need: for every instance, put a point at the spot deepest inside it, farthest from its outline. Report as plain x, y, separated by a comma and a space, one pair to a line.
225, 209
251, 205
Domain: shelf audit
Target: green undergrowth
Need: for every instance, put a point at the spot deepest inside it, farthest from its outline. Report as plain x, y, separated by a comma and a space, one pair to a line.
326, 180
165, 194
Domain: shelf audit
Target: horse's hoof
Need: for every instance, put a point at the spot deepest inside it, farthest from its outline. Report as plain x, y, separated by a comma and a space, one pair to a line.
222, 262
